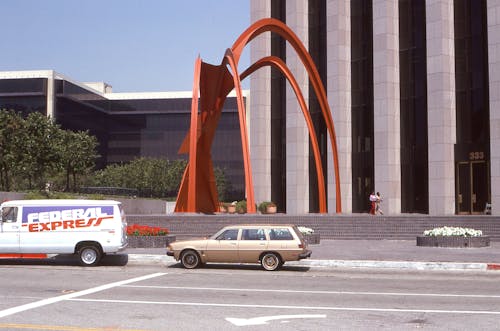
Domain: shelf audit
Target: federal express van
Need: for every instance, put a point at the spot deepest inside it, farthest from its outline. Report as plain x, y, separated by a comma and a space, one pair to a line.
87, 228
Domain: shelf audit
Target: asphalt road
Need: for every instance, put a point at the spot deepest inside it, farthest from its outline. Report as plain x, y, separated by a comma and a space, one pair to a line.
223, 297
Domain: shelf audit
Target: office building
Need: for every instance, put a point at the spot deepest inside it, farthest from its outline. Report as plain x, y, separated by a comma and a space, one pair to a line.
414, 89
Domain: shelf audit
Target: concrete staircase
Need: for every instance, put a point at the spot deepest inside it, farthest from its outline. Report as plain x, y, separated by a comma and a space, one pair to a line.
355, 226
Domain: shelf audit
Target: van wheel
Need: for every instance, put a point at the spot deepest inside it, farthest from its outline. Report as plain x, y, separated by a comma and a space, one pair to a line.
190, 259
89, 255
270, 261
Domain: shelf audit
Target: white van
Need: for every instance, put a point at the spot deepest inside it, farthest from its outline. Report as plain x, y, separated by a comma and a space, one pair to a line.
87, 228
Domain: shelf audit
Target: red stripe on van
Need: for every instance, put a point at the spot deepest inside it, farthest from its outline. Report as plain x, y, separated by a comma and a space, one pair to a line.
23, 256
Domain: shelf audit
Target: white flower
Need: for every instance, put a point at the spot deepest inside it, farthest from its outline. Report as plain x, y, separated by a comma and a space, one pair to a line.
448, 231
305, 230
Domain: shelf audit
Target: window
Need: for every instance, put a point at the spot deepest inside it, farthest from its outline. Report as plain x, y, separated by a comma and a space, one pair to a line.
280, 234
9, 214
231, 234
253, 234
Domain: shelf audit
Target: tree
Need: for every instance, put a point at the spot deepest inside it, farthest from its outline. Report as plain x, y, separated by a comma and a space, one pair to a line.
10, 124
40, 157
77, 155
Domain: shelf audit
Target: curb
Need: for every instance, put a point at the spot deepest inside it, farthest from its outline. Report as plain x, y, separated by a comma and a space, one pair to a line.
148, 259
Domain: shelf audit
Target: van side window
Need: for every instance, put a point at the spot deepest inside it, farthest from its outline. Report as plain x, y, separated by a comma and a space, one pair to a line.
280, 234
231, 234
253, 234
9, 214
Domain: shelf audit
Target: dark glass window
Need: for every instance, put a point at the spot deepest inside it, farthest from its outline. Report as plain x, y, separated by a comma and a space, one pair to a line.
362, 104
413, 106
24, 104
472, 150
278, 113
317, 50
471, 66
24, 95
23, 86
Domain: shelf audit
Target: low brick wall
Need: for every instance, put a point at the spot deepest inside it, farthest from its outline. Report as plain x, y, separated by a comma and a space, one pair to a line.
456, 242
150, 241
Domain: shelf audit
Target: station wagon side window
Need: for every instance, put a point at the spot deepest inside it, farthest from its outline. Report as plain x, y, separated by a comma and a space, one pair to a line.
230, 234
280, 234
253, 234
9, 214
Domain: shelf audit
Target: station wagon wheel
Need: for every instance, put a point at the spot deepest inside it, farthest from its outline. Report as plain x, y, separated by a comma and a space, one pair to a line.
89, 255
190, 259
270, 261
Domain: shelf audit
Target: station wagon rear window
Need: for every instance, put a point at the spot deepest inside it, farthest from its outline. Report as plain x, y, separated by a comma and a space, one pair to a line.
280, 234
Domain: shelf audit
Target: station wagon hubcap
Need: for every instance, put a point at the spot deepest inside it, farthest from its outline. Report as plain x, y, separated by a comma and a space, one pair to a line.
270, 262
190, 260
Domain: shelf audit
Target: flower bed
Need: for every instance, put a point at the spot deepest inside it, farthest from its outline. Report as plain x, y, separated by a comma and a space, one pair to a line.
453, 237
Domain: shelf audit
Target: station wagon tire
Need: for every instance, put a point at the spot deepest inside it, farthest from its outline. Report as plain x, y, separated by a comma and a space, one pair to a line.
89, 255
271, 261
190, 259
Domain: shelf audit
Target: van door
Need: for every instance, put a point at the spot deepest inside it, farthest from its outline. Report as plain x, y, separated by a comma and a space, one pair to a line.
9, 230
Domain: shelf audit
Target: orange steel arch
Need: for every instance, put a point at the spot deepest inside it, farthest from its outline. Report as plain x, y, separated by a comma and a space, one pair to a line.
280, 65
197, 192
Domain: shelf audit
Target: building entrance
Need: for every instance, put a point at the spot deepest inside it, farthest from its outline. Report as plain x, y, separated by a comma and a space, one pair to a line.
472, 192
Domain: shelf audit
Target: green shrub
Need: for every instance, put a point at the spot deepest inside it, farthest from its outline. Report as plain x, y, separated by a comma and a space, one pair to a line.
241, 207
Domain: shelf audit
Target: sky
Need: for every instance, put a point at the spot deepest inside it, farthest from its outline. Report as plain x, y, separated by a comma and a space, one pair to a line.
133, 45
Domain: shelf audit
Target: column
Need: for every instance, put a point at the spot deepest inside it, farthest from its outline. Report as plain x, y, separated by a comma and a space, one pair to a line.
50, 95
297, 136
441, 102
339, 99
493, 7
386, 103
260, 107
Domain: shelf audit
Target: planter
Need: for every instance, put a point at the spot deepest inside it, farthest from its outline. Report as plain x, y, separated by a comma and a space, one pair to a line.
312, 239
453, 241
271, 210
150, 241
231, 209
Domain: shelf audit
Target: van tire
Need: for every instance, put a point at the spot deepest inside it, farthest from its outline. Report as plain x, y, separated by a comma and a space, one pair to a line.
89, 255
190, 259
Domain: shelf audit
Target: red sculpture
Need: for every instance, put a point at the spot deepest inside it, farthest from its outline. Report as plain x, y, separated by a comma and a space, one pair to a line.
198, 192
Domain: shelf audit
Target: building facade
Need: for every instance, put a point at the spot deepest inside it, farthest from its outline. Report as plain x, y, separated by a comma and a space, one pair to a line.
127, 125
414, 89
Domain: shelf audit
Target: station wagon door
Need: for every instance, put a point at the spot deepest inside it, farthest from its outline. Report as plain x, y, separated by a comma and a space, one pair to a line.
251, 244
282, 240
9, 230
224, 248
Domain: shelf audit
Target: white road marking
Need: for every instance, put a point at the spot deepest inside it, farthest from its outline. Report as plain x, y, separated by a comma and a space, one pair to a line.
264, 319
235, 305
44, 302
320, 292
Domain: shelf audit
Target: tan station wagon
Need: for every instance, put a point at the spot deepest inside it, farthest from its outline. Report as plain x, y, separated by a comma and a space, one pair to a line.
269, 245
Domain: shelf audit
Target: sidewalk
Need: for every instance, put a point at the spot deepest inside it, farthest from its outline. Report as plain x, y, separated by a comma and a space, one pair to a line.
399, 254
